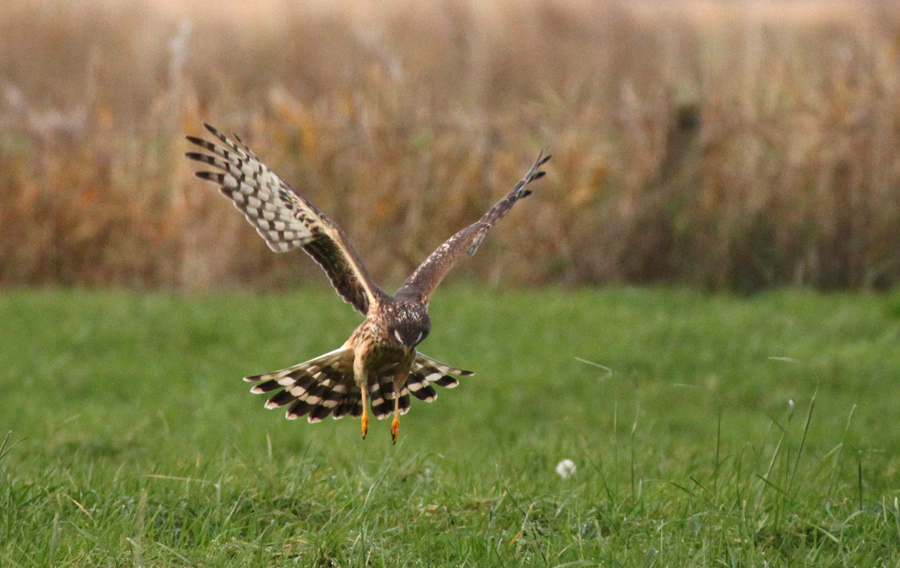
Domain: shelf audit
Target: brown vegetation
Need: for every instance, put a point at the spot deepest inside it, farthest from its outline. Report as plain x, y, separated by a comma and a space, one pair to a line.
726, 145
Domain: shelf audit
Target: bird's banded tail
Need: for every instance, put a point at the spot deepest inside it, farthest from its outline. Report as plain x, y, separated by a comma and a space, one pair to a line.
325, 386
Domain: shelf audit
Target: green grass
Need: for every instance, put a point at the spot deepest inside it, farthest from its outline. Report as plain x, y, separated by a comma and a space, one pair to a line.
726, 432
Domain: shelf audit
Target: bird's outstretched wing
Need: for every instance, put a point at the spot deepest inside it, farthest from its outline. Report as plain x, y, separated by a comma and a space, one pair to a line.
285, 219
426, 278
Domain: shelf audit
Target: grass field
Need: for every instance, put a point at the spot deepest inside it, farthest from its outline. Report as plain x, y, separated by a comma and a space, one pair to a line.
722, 431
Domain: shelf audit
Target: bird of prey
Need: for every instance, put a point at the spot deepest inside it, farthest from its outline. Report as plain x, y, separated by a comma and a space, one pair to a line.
379, 361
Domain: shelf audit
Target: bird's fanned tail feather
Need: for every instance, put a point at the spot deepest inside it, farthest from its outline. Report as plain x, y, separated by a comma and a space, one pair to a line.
426, 371
325, 386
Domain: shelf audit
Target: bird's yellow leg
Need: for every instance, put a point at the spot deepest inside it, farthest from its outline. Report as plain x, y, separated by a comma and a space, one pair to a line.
399, 381
365, 413
395, 423
359, 373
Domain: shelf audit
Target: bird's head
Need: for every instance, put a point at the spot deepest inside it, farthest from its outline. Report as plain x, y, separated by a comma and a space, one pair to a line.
411, 326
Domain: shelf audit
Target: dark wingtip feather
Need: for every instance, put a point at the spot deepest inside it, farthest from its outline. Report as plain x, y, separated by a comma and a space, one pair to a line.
199, 157
214, 177
215, 132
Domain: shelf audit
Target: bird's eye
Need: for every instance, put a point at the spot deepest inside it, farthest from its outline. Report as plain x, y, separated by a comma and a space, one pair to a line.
397, 335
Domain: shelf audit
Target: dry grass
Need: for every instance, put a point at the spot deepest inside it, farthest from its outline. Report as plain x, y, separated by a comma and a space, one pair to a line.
726, 145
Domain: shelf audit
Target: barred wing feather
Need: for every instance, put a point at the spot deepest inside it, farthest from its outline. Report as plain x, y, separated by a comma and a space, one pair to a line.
282, 217
426, 278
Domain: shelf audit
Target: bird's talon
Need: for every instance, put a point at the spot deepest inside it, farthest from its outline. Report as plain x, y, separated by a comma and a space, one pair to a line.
395, 429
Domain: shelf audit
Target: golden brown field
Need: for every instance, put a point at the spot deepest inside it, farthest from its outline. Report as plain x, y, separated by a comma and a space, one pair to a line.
734, 145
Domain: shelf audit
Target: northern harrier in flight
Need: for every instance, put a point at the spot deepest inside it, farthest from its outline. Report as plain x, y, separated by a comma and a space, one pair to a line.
379, 361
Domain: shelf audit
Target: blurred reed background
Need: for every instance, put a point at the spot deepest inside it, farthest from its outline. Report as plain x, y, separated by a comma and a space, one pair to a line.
727, 145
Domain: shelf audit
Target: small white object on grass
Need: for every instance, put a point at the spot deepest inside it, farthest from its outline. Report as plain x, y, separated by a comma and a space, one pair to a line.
565, 468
